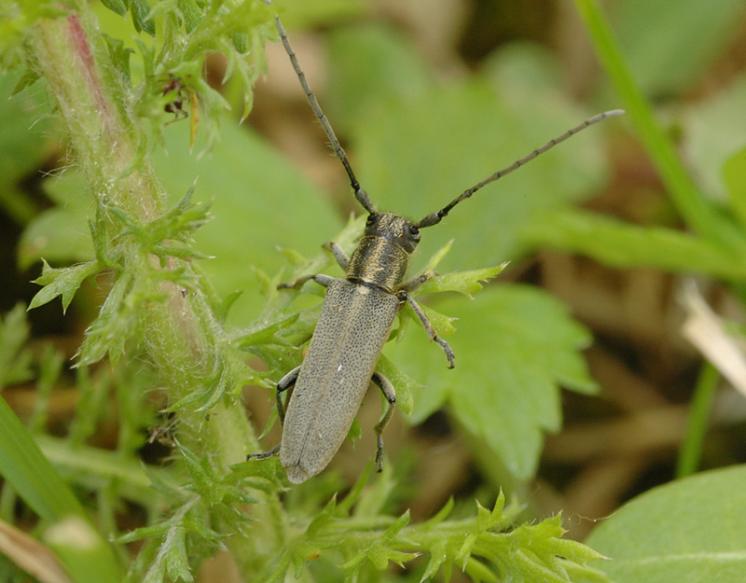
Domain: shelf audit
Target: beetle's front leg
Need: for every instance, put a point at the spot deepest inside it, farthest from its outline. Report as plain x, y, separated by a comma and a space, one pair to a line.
339, 255
388, 391
320, 278
405, 297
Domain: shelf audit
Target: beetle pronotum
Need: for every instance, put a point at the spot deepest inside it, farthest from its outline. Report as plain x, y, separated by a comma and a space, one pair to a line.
359, 310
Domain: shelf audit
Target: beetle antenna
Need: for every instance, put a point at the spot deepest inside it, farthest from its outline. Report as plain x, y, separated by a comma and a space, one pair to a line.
360, 194
435, 218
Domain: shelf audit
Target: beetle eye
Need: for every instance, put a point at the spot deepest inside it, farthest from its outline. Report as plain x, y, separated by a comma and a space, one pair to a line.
371, 220
414, 231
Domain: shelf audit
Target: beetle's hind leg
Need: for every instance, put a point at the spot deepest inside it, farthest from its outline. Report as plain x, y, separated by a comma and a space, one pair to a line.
388, 391
286, 383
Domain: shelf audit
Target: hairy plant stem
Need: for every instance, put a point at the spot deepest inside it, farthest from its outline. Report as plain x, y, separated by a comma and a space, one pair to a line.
179, 332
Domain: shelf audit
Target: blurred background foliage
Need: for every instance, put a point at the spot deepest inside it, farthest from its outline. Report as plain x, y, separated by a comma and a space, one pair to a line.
428, 99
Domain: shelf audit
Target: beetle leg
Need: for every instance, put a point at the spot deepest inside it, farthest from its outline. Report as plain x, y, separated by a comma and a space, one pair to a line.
339, 254
429, 328
388, 391
263, 455
285, 383
320, 278
414, 283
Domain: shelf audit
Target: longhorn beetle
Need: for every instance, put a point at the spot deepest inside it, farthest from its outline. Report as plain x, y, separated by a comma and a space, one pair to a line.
328, 387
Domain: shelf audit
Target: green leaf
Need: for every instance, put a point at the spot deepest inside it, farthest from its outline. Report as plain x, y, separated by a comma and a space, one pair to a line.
61, 282
420, 153
26, 140
669, 48
58, 235
688, 531
117, 6
24, 466
259, 204
393, 71
714, 130
700, 215
15, 359
619, 244
735, 179
514, 346
466, 283
140, 11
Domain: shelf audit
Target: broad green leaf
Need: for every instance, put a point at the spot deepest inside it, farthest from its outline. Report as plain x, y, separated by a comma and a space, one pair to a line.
713, 131
735, 179
25, 141
59, 235
419, 154
61, 282
393, 71
668, 46
689, 531
259, 203
619, 244
514, 347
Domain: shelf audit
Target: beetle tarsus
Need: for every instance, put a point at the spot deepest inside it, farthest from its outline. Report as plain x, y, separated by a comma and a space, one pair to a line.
320, 278
263, 455
429, 328
390, 394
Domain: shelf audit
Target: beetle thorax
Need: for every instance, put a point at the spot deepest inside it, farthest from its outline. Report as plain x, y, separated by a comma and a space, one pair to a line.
381, 256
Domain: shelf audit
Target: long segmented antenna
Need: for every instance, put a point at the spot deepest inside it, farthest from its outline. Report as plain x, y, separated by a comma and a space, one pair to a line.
435, 218
360, 194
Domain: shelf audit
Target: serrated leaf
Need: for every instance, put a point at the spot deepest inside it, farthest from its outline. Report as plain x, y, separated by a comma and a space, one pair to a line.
463, 282
117, 6
515, 345
478, 571
687, 531
61, 282
140, 16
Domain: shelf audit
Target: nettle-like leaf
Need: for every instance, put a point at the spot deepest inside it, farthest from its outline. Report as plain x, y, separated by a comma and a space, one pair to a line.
515, 346
355, 537
62, 282
177, 38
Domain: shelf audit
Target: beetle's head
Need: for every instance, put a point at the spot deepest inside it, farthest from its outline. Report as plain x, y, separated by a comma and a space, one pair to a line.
398, 229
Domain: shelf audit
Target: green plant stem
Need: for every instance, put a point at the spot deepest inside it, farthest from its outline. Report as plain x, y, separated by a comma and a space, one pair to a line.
696, 428
178, 331
696, 211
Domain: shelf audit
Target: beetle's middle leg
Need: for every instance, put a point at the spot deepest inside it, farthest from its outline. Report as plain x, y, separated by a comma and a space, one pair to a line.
429, 327
388, 391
